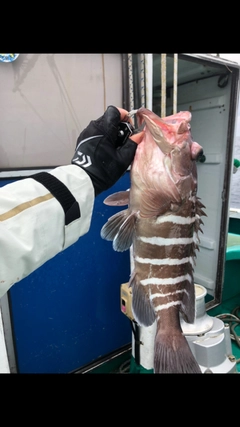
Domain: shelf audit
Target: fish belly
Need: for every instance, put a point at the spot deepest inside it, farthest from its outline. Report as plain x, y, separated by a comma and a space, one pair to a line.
163, 274
163, 287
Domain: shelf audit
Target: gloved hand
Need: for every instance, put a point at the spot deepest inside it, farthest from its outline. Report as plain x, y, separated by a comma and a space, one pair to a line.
97, 152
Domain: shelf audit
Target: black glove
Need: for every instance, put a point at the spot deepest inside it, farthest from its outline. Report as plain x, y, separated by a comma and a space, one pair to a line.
98, 154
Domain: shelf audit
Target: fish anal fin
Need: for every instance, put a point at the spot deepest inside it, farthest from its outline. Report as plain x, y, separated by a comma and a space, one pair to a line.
120, 198
141, 306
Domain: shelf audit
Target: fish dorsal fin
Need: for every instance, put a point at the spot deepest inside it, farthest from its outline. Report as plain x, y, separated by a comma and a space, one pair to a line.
118, 199
197, 227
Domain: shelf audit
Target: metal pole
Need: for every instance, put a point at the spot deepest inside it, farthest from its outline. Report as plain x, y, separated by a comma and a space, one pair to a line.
131, 91
125, 89
142, 79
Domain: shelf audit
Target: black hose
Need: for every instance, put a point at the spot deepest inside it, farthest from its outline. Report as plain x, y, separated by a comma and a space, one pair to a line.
137, 341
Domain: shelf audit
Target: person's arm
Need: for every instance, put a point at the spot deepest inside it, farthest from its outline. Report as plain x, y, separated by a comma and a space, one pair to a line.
42, 215
33, 225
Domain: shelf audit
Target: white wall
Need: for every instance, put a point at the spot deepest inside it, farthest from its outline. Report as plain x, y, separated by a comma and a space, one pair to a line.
48, 99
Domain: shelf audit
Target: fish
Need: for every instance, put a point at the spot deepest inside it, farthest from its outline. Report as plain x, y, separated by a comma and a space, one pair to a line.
161, 225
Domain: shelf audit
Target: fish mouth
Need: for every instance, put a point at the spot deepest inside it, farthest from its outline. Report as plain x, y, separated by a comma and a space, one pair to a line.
164, 130
174, 119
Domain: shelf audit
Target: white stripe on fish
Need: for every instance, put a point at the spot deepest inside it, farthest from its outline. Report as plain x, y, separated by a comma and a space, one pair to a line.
165, 261
161, 241
168, 281
161, 295
176, 219
166, 306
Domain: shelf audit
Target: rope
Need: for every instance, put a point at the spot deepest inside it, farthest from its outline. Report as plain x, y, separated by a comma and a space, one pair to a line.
175, 81
149, 79
163, 85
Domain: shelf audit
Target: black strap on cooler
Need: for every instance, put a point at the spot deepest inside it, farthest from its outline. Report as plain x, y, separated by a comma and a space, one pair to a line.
61, 193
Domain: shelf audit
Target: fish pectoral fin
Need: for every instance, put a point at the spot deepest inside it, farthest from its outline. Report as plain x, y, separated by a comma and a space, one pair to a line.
141, 305
124, 238
120, 198
112, 226
154, 204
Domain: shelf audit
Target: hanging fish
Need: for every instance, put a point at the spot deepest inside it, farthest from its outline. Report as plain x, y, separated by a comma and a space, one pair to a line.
162, 223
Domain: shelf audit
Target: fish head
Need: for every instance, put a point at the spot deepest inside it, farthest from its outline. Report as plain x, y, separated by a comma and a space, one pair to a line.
172, 135
165, 160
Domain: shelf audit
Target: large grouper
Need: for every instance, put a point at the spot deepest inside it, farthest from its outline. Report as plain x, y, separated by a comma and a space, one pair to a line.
161, 223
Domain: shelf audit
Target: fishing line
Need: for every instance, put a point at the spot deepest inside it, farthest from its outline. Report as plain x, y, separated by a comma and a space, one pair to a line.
63, 91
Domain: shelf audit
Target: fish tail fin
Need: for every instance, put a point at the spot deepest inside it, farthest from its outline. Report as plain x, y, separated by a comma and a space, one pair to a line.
172, 354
